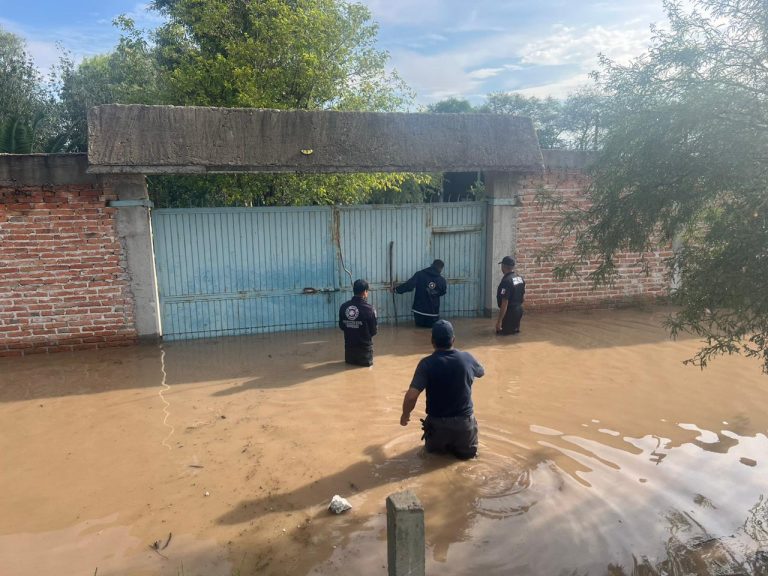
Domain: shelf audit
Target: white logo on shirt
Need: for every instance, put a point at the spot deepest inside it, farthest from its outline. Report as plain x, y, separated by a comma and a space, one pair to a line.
517, 280
352, 313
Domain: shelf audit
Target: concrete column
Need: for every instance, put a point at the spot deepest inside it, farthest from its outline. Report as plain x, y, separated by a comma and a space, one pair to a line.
405, 535
502, 193
135, 232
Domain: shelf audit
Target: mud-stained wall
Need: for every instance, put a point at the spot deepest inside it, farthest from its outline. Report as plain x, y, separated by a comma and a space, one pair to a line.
63, 281
565, 178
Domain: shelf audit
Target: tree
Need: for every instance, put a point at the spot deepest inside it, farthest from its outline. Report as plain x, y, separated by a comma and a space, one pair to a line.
581, 119
684, 160
451, 106
28, 114
128, 75
298, 54
545, 113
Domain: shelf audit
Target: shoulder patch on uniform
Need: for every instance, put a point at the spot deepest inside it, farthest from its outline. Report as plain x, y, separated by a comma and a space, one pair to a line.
517, 280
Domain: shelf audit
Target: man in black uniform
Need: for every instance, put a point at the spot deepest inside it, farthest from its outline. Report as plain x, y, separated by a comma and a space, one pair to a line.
447, 376
429, 286
509, 297
357, 319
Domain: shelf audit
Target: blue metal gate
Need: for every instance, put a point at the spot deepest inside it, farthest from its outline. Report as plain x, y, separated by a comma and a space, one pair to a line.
228, 271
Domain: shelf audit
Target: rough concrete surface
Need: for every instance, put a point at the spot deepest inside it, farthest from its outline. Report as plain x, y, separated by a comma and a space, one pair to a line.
44, 170
405, 535
167, 139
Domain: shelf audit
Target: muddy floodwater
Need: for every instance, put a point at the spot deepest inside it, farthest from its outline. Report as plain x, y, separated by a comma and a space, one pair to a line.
600, 453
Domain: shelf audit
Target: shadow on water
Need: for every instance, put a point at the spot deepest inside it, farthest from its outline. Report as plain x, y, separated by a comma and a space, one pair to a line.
289, 358
376, 470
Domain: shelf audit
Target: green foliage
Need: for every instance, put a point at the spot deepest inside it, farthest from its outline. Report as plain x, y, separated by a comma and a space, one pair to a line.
451, 106
545, 113
573, 123
302, 54
288, 189
305, 54
684, 161
128, 75
28, 111
582, 116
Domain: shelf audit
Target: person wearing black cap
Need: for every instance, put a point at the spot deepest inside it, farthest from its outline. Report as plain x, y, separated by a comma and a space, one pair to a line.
447, 376
429, 286
509, 297
357, 319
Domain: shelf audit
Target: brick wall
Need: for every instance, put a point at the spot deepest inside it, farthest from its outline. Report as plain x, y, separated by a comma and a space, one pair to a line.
63, 281
537, 229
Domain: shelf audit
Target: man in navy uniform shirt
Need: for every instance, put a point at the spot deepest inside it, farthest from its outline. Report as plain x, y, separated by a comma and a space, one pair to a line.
509, 297
447, 376
429, 286
357, 319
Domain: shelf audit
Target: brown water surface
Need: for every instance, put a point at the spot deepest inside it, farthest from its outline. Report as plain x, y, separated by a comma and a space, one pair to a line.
600, 454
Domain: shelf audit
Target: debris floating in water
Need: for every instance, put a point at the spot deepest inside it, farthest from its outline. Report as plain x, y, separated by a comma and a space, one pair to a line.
339, 504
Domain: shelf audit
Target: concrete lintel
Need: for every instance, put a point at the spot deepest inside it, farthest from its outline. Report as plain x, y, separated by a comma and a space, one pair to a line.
163, 139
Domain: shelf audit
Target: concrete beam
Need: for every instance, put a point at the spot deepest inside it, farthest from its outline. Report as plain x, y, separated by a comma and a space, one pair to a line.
19, 170
405, 535
168, 139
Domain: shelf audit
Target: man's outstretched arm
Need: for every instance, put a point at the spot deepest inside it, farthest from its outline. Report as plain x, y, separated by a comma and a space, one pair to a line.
409, 403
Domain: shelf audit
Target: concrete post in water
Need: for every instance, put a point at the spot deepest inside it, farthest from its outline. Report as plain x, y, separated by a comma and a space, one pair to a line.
405, 535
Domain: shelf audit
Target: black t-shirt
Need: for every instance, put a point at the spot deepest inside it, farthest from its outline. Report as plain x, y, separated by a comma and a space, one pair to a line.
358, 320
512, 288
447, 376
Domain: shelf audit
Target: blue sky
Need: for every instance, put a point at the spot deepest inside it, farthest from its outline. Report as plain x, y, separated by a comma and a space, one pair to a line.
442, 48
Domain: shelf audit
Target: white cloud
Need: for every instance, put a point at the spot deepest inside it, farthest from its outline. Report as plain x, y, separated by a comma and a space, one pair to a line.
558, 89
44, 54
571, 46
483, 73
476, 66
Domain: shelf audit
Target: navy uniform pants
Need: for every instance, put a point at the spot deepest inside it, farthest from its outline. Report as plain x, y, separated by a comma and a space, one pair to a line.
423, 321
510, 324
358, 356
455, 435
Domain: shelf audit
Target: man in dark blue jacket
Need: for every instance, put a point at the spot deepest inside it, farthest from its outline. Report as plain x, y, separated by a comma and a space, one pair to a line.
447, 376
357, 319
429, 286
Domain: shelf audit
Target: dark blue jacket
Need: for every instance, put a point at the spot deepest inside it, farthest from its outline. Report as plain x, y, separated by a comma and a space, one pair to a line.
358, 320
429, 286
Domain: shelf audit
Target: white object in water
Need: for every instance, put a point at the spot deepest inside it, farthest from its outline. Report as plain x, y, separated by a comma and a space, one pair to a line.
339, 504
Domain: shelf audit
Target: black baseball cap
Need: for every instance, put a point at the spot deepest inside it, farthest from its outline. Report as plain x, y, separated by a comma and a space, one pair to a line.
508, 261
